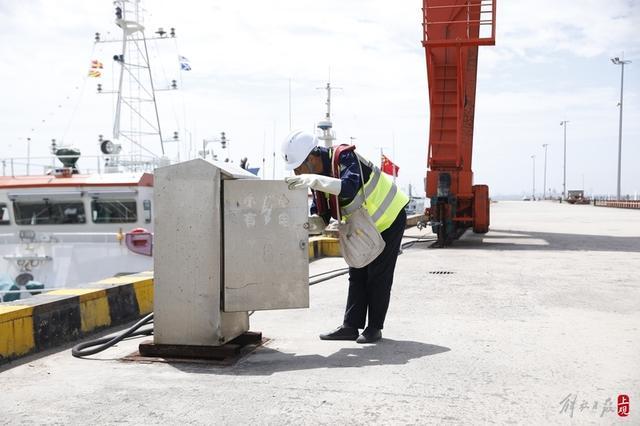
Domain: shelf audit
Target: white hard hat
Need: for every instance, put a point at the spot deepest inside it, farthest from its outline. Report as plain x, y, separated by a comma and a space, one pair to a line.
296, 147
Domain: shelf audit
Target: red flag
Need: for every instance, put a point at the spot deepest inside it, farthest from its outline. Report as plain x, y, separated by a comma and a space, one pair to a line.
388, 167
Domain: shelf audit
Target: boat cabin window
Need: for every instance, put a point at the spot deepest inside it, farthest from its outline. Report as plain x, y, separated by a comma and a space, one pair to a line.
146, 206
114, 211
48, 212
4, 214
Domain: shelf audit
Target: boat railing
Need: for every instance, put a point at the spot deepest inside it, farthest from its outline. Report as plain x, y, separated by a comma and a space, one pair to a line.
97, 164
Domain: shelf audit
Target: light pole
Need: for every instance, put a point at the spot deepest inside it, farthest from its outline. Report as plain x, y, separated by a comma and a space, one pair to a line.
533, 190
544, 187
223, 141
564, 172
621, 62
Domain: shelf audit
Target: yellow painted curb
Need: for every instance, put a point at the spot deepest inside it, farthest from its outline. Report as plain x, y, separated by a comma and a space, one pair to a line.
144, 295
125, 279
11, 312
94, 306
331, 247
16, 330
326, 246
84, 293
94, 313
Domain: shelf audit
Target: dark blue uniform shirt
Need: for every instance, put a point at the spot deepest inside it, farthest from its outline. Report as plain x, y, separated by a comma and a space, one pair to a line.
349, 175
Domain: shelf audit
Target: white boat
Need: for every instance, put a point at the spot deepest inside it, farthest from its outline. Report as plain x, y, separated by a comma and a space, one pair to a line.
416, 205
70, 226
68, 230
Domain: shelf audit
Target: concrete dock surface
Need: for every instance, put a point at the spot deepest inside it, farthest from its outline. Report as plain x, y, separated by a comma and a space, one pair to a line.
536, 322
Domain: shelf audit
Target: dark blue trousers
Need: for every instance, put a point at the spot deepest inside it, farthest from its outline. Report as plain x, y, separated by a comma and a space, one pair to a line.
370, 287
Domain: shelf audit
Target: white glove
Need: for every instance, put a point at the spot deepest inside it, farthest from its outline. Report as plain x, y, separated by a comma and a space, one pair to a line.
333, 225
317, 182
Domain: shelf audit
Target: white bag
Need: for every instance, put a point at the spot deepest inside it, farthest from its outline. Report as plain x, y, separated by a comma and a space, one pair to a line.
360, 241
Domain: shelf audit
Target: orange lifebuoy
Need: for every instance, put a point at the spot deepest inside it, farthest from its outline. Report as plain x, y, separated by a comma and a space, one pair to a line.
140, 240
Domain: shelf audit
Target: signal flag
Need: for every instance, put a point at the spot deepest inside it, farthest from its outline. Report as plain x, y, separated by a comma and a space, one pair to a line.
388, 167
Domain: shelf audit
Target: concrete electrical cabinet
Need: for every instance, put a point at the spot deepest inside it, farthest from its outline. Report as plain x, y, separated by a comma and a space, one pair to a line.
225, 243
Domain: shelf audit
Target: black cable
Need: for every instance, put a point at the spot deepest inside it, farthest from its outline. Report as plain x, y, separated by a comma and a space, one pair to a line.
80, 351
337, 274
106, 342
415, 237
341, 271
329, 272
409, 244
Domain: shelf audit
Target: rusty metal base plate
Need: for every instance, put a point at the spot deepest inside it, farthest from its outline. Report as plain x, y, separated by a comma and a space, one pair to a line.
225, 355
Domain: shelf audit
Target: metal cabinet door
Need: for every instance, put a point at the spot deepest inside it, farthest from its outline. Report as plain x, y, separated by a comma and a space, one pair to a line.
266, 255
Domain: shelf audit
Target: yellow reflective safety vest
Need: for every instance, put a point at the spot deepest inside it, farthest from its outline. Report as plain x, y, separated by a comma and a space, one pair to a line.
384, 200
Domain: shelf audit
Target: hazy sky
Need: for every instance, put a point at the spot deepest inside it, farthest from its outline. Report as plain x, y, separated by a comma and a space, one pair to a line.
550, 63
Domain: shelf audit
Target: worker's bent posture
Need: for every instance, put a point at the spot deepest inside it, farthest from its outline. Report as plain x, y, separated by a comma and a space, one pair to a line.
370, 286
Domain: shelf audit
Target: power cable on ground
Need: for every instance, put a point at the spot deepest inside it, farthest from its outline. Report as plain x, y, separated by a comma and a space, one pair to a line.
106, 342
100, 345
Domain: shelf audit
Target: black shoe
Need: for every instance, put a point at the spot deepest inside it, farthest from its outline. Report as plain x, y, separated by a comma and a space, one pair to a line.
341, 333
369, 335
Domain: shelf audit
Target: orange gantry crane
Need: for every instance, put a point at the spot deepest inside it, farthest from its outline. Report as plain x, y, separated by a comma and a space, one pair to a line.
453, 30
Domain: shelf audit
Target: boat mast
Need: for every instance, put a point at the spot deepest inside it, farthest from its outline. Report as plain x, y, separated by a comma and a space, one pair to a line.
137, 119
326, 126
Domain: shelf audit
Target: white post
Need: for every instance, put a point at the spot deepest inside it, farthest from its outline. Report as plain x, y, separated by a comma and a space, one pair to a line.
273, 176
544, 188
264, 154
28, 154
564, 179
621, 62
533, 191
393, 152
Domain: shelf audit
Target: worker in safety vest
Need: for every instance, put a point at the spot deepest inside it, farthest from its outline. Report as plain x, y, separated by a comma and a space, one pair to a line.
337, 171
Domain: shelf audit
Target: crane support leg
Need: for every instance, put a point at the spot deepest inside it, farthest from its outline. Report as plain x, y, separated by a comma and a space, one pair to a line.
453, 30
